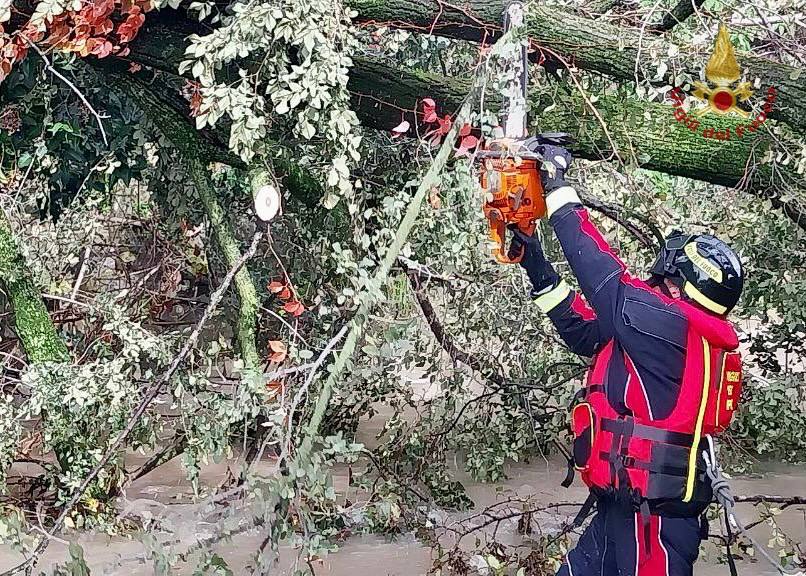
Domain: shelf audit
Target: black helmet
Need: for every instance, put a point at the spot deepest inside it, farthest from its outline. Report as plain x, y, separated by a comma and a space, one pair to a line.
705, 268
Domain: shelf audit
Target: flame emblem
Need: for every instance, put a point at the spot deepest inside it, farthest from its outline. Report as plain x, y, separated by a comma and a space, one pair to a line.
723, 90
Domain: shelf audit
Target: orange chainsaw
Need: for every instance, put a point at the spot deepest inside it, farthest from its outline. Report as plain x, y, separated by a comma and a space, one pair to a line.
510, 168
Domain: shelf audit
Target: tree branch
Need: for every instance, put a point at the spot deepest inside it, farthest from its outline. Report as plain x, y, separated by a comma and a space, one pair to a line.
445, 341
678, 14
196, 153
148, 397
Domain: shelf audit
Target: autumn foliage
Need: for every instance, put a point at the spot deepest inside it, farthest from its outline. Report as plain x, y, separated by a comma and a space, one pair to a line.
99, 28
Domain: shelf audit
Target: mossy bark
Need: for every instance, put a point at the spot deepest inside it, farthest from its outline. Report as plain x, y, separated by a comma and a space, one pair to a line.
228, 246
196, 153
644, 133
33, 325
588, 44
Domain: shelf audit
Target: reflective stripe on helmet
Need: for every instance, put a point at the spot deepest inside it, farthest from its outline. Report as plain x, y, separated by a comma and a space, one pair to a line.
711, 269
693, 293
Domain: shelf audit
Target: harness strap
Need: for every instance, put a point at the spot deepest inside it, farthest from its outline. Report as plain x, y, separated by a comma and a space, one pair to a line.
646, 526
649, 432
631, 462
623, 477
613, 457
728, 540
585, 511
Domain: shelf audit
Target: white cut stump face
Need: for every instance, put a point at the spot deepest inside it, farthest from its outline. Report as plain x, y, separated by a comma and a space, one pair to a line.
267, 202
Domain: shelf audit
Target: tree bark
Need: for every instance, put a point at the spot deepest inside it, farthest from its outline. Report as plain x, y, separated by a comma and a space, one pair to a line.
643, 132
196, 153
586, 43
36, 331
680, 12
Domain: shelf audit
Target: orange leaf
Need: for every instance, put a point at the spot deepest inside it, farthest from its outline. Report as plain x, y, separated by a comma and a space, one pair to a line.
434, 199
277, 346
279, 351
277, 357
275, 287
274, 386
284, 294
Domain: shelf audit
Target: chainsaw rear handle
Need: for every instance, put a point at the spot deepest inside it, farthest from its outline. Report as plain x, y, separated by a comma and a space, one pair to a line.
498, 235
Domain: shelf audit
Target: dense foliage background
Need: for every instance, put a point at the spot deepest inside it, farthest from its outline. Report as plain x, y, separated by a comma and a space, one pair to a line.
134, 139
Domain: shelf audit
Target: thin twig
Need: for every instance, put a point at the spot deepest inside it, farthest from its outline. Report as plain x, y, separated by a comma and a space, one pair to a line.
80, 279
304, 388
63, 78
148, 397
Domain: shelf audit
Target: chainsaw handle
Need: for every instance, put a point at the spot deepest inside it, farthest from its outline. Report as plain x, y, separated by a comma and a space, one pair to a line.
498, 234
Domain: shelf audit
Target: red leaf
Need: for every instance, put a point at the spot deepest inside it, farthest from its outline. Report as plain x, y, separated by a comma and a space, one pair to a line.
134, 66
465, 130
294, 307
430, 116
99, 47
466, 144
195, 102
125, 52
275, 287
445, 124
284, 294
469, 142
428, 104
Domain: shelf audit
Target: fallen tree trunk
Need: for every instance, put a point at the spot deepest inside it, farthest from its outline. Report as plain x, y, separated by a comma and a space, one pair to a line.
586, 43
196, 153
644, 133
33, 325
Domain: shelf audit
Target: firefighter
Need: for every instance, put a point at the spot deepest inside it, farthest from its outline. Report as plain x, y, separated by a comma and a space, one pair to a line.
663, 351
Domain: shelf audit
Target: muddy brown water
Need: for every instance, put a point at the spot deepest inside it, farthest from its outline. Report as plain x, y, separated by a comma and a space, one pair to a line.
166, 496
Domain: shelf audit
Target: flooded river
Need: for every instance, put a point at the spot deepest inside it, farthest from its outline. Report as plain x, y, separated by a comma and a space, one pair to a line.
166, 495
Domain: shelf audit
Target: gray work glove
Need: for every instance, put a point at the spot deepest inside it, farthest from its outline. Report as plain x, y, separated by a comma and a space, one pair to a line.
556, 161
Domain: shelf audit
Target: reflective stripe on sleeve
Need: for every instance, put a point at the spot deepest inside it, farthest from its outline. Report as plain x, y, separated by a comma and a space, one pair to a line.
551, 299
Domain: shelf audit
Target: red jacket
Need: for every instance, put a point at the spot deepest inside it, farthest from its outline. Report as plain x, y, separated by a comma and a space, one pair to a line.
658, 362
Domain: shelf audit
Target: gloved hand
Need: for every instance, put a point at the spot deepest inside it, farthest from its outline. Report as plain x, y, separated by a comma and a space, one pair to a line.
556, 161
540, 271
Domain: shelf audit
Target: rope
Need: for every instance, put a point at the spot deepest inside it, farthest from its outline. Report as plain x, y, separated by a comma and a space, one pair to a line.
724, 496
